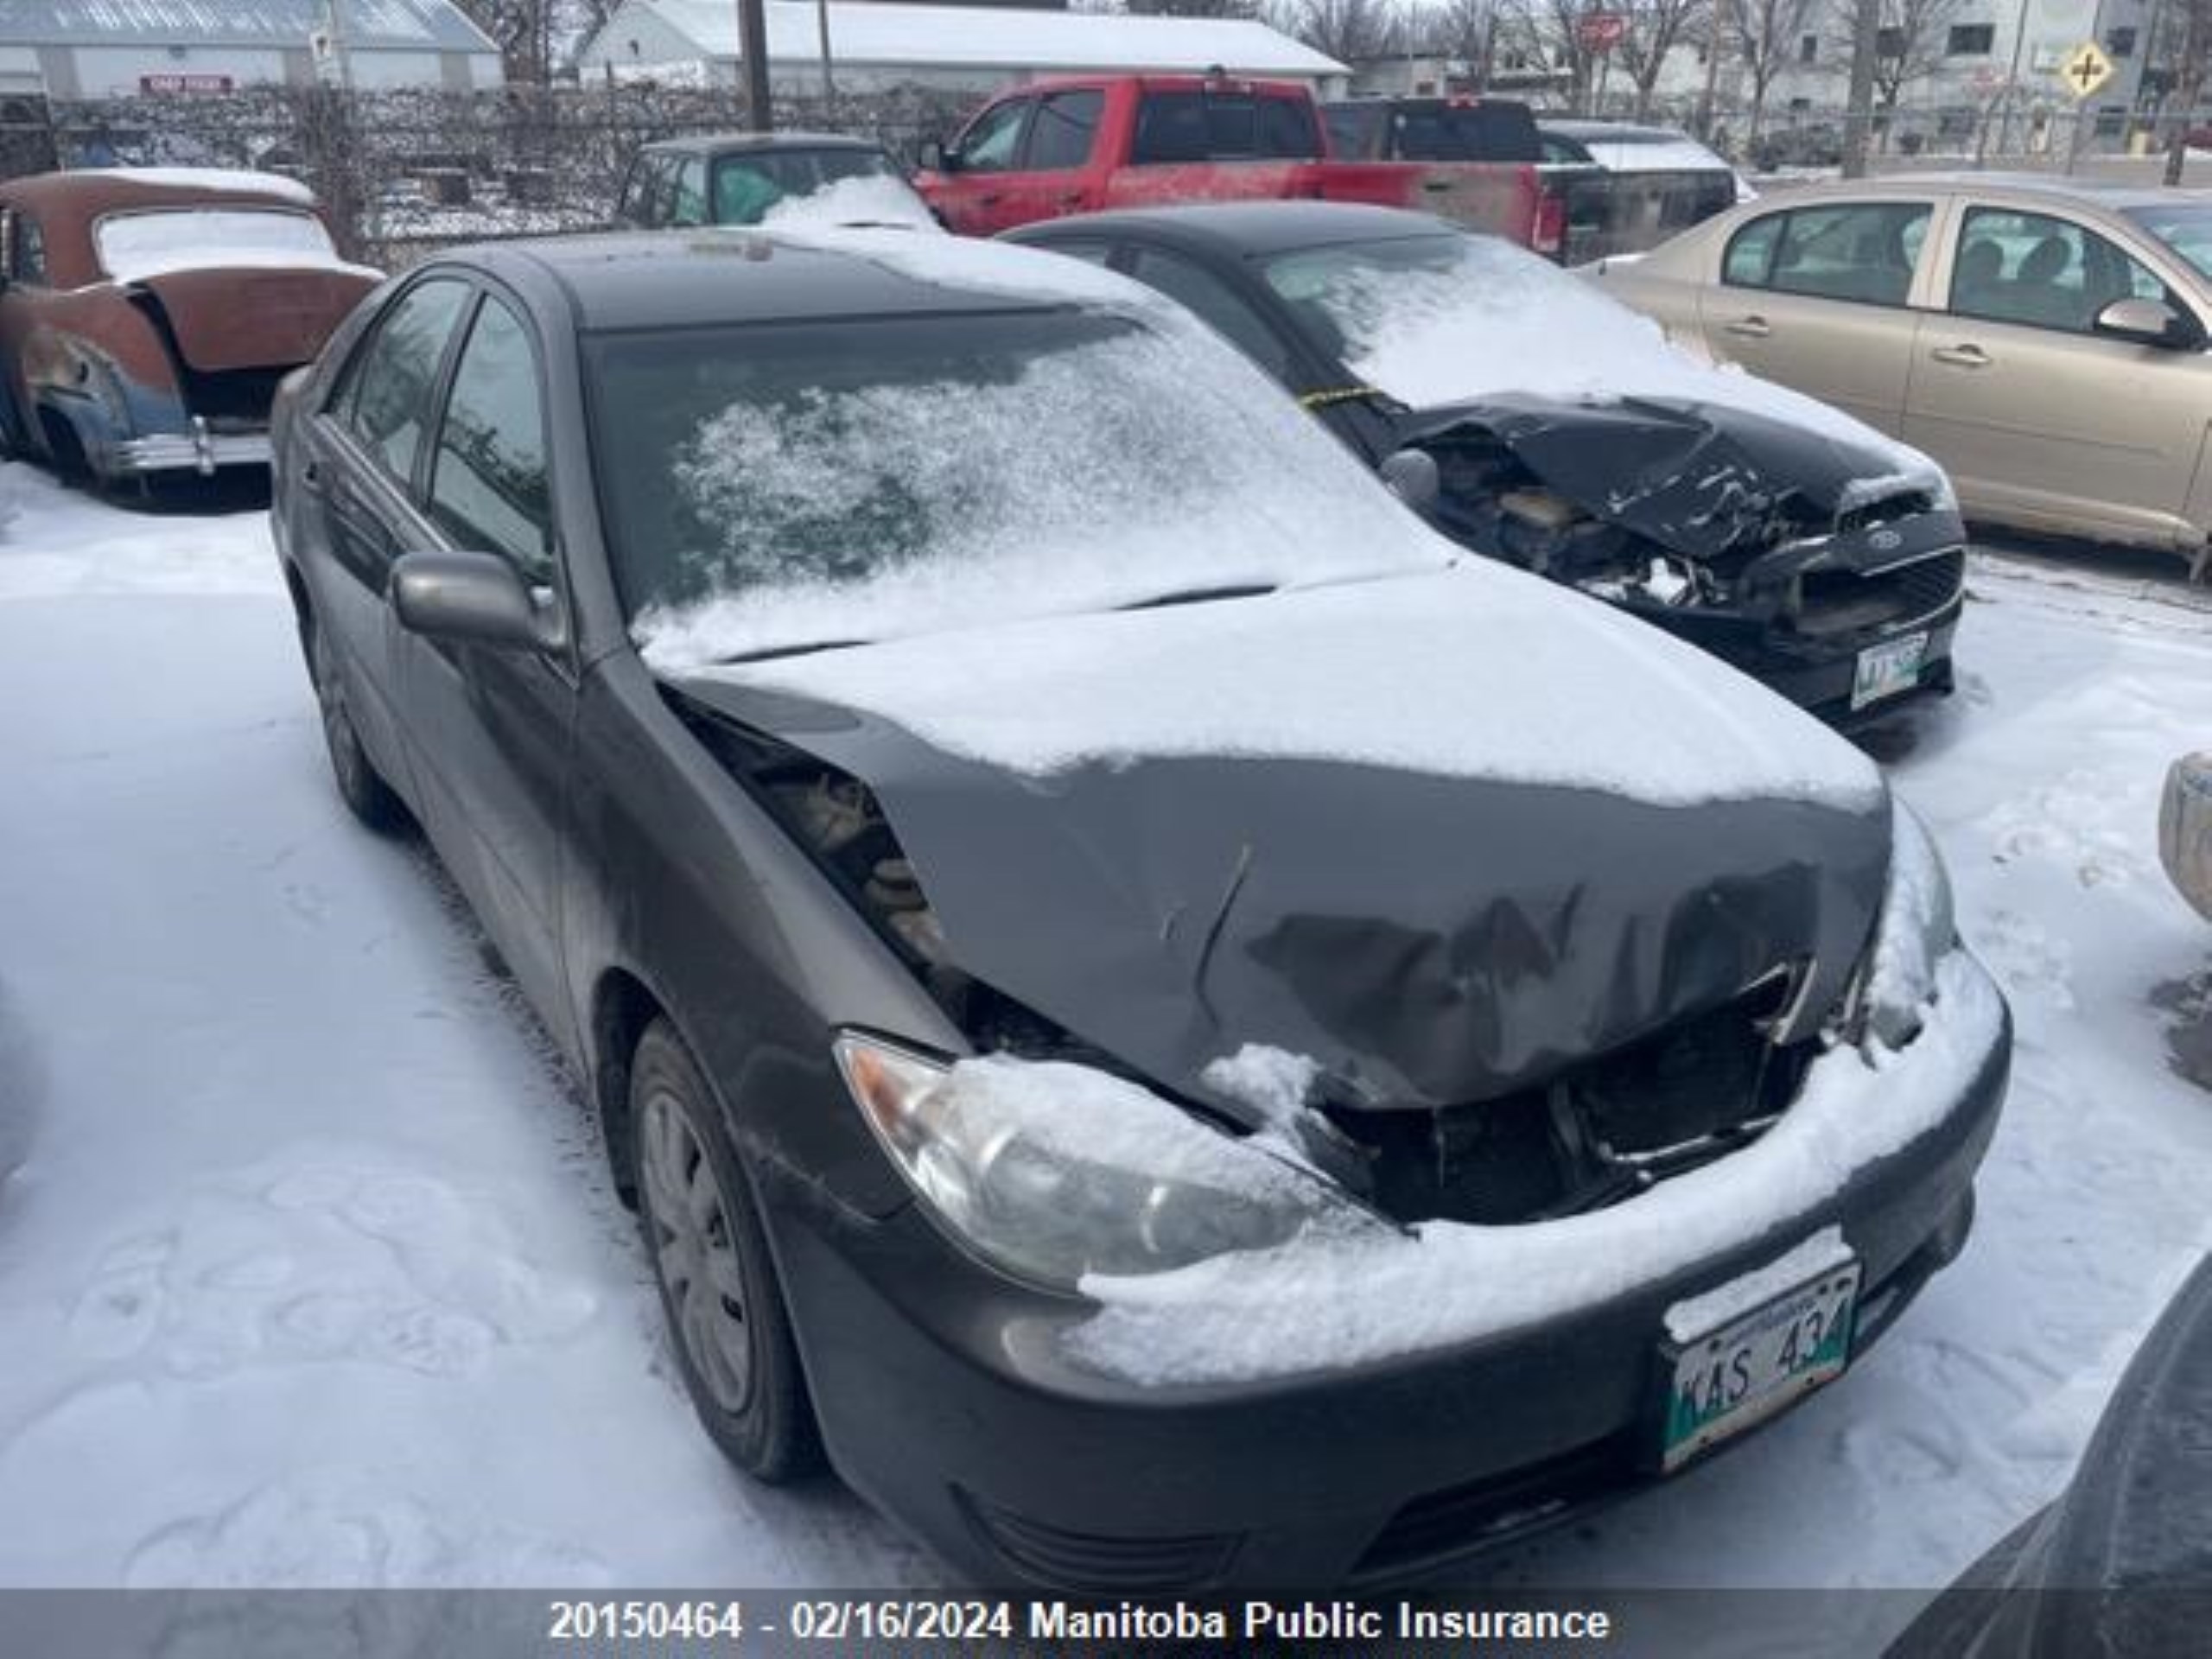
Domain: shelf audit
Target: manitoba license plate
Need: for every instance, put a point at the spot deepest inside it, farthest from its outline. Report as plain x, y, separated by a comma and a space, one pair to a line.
1741, 1373
1889, 668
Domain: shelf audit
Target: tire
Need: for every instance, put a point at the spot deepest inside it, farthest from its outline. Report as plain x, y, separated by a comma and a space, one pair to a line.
718, 1286
363, 789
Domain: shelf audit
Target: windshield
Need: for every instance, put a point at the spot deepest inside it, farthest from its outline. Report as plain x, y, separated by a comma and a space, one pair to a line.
1434, 319
746, 186
779, 486
2185, 227
134, 245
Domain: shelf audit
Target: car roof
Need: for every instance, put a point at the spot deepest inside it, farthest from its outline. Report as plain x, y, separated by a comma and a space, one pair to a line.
623, 280
1247, 229
727, 143
2082, 191
1602, 131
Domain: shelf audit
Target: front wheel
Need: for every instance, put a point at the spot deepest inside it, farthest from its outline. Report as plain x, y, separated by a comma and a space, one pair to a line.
359, 785
718, 1286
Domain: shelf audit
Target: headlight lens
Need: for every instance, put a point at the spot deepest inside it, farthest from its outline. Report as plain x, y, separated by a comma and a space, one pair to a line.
1054, 1171
1917, 930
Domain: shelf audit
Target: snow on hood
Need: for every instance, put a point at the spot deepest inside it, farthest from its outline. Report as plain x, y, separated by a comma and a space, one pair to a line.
210, 178
1488, 318
864, 198
1475, 671
1336, 1298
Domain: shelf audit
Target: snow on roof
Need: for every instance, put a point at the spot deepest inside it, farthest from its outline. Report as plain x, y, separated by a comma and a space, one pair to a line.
988, 37
209, 178
435, 24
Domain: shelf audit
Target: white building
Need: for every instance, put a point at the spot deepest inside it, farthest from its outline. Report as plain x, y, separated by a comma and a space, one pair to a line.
104, 49
959, 48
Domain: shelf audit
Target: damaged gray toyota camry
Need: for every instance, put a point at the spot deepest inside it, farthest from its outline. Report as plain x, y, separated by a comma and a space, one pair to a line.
1181, 1029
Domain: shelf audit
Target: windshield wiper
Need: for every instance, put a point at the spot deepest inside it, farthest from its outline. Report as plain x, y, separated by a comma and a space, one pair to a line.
1201, 595
769, 653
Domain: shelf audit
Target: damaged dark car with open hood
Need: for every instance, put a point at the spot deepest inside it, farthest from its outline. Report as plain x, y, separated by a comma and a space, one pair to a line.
1178, 1028
1535, 420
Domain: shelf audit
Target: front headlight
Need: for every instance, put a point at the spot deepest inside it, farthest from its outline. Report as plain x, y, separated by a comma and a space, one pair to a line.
1053, 1171
1917, 928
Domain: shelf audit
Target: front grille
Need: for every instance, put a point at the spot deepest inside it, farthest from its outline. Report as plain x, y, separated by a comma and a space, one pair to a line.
1461, 1520
1848, 601
1599, 1132
1081, 1560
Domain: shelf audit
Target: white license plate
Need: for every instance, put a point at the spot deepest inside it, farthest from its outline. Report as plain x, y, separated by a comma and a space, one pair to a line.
1742, 1373
1889, 668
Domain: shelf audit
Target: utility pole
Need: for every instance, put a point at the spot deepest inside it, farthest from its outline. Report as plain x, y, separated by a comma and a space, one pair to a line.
1859, 103
753, 48
1716, 42
2010, 92
2195, 42
822, 27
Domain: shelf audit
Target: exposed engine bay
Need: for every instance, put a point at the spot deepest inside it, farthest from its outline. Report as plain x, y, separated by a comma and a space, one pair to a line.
1669, 508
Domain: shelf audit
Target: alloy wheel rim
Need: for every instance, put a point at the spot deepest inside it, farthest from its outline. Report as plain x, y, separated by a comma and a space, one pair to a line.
695, 1253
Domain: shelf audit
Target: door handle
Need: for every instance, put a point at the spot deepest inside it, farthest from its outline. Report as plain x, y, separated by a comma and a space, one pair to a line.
1963, 357
989, 199
1071, 200
1751, 328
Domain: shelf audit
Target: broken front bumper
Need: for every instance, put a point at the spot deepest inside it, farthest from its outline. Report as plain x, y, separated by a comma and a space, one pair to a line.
947, 1396
200, 449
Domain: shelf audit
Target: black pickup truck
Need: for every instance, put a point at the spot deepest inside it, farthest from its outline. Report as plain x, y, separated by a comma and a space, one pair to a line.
1602, 211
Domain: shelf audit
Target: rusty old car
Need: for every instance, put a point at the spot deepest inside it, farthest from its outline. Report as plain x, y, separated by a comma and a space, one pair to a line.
147, 314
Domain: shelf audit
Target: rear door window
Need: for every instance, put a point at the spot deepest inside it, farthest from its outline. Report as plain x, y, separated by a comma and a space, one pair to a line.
387, 401
687, 200
1861, 252
1202, 126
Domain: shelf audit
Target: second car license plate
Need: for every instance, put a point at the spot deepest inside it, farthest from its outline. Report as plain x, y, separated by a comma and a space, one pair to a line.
1742, 1373
1889, 668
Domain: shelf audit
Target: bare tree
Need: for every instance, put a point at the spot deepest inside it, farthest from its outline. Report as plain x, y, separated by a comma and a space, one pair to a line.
1553, 30
1457, 28
1241, 9
1909, 47
1655, 28
1349, 31
2182, 62
1763, 34
523, 30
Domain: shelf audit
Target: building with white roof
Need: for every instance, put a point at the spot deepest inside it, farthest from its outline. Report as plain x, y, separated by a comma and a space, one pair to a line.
104, 49
961, 48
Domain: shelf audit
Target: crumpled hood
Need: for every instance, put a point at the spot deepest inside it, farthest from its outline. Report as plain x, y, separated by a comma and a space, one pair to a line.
1701, 479
1167, 844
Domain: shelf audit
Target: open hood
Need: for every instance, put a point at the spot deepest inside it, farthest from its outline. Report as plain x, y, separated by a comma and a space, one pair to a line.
1211, 861
1703, 480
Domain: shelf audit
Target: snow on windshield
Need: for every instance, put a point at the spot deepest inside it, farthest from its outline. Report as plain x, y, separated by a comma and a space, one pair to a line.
1441, 319
865, 481
136, 245
860, 198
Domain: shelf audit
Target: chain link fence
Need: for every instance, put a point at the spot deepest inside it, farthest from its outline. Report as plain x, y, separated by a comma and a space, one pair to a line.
402, 172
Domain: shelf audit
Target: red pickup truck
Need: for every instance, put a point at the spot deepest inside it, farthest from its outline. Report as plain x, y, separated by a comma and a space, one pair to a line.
1083, 143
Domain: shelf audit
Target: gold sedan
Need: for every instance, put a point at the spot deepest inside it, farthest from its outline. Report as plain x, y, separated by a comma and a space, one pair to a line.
2044, 339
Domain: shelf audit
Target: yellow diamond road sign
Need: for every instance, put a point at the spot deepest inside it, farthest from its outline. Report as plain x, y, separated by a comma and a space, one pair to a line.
2085, 68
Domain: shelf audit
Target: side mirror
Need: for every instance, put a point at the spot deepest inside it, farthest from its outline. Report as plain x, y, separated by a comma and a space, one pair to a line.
1411, 475
2149, 323
477, 598
937, 157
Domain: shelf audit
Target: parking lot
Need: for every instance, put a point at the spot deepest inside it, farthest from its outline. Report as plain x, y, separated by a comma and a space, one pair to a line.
310, 1272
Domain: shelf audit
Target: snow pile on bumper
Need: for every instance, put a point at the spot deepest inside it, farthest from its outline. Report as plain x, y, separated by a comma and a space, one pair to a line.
1327, 1303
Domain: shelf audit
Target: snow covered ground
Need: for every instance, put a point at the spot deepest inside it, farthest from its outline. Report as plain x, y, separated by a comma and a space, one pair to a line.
309, 1272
